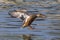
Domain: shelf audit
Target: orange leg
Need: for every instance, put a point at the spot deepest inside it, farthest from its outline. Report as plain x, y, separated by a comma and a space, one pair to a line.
30, 27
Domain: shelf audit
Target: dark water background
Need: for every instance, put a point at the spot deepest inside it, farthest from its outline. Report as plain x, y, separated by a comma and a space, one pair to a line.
47, 29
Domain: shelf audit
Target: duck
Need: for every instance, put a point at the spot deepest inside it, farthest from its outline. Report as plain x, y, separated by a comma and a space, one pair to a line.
25, 17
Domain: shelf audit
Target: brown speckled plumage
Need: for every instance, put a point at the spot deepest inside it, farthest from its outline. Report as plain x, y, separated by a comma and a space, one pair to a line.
28, 19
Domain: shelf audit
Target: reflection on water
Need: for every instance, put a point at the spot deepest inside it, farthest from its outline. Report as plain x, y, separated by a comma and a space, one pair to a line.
47, 29
27, 37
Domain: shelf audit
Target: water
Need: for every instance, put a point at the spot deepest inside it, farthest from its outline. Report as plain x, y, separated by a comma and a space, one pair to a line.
47, 29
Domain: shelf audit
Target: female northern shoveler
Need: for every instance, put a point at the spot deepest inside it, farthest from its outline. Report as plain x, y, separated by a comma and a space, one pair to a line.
27, 19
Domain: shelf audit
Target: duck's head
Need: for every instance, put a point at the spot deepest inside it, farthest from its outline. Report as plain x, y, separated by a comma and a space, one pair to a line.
41, 16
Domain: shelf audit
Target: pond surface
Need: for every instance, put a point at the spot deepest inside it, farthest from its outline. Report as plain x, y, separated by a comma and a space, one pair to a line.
47, 29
